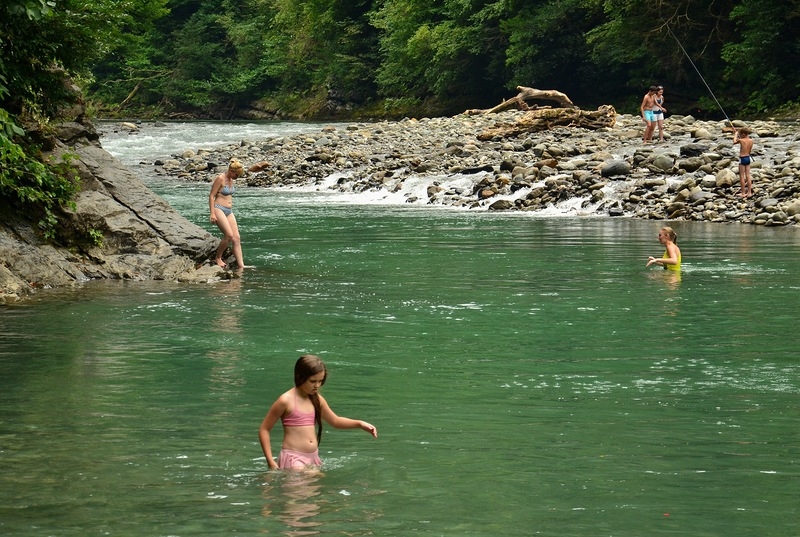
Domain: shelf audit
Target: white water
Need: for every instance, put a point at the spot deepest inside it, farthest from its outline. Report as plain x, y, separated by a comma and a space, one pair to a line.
150, 142
139, 149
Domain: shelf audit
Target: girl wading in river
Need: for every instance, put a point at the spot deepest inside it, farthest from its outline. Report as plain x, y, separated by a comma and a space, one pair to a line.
220, 203
299, 410
671, 260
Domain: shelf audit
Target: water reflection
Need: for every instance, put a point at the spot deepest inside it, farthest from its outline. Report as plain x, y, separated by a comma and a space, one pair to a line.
293, 499
225, 376
670, 282
226, 298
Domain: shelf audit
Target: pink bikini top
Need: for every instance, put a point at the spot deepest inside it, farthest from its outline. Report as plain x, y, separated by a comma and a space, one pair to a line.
297, 418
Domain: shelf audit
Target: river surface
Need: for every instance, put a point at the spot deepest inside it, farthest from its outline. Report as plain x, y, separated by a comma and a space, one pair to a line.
527, 375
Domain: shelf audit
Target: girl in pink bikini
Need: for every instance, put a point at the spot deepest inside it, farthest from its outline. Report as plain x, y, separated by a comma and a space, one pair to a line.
301, 411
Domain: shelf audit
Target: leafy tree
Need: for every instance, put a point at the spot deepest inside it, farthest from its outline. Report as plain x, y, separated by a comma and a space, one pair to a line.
761, 61
213, 56
450, 50
640, 43
405, 45
548, 47
324, 45
42, 43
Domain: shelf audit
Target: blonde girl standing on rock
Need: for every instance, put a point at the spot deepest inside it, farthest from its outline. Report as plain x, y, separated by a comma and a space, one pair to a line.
220, 203
658, 112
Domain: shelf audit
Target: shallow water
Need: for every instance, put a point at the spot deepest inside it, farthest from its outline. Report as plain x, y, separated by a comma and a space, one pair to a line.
526, 375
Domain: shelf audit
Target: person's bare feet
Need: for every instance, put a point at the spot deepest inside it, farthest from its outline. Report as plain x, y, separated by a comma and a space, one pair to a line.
221, 264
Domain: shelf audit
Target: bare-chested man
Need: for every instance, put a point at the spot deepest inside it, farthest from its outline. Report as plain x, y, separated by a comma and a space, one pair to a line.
648, 103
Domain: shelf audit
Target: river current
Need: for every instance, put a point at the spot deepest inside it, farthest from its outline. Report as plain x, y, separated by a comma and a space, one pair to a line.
526, 373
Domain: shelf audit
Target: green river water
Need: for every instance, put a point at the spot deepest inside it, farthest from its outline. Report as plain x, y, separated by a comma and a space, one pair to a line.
526, 376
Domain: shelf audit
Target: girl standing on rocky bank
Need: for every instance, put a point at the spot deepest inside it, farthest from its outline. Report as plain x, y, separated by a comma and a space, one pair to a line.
220, 203
299, 409
658, 112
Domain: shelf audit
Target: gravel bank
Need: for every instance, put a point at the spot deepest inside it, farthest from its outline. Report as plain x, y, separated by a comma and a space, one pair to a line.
693, 175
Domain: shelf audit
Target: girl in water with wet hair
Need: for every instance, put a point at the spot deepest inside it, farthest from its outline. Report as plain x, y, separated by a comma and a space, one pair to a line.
671, 260
302, 410
220, 203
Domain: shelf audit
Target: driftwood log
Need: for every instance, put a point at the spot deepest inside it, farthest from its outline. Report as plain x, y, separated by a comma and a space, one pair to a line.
547, 118
520, 101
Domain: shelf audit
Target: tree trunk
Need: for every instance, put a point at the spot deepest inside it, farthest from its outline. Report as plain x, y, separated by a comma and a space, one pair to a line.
127, 99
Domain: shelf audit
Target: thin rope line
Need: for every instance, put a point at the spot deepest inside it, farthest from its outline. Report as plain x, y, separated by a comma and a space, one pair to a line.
698, 74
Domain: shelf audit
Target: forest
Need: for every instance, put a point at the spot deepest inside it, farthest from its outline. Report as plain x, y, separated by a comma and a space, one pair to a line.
389, 58
347, 59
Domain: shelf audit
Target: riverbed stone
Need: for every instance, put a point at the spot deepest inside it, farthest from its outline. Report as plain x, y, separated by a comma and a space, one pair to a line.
663, 162
691, 164
793, 208
615, 167
725, 178
693, 150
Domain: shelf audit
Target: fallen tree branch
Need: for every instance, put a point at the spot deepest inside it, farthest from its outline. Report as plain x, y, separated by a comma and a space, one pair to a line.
547, 118
127, 99
520, 101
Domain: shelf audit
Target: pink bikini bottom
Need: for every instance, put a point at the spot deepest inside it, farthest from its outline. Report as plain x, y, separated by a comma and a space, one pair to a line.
290, 459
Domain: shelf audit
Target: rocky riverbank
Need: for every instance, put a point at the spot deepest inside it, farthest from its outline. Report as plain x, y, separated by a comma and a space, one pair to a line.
693, 175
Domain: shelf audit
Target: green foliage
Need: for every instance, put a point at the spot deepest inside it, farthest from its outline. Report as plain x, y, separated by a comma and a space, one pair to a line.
443, 50
324, 44
760, 61
30, 185
548, 46
213, 57
37, 46
33, 9
41, 44
96, 237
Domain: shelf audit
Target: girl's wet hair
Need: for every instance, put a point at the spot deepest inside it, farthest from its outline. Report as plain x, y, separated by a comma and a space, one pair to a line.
670, 233
306, 367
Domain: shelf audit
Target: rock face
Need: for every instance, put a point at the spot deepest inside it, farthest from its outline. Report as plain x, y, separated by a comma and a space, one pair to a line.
117, 229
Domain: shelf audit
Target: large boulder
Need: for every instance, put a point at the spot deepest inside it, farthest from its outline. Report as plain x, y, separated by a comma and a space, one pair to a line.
615, 168
117, 228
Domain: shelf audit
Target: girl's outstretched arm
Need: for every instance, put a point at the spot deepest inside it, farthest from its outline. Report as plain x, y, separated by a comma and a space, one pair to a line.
339, 422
